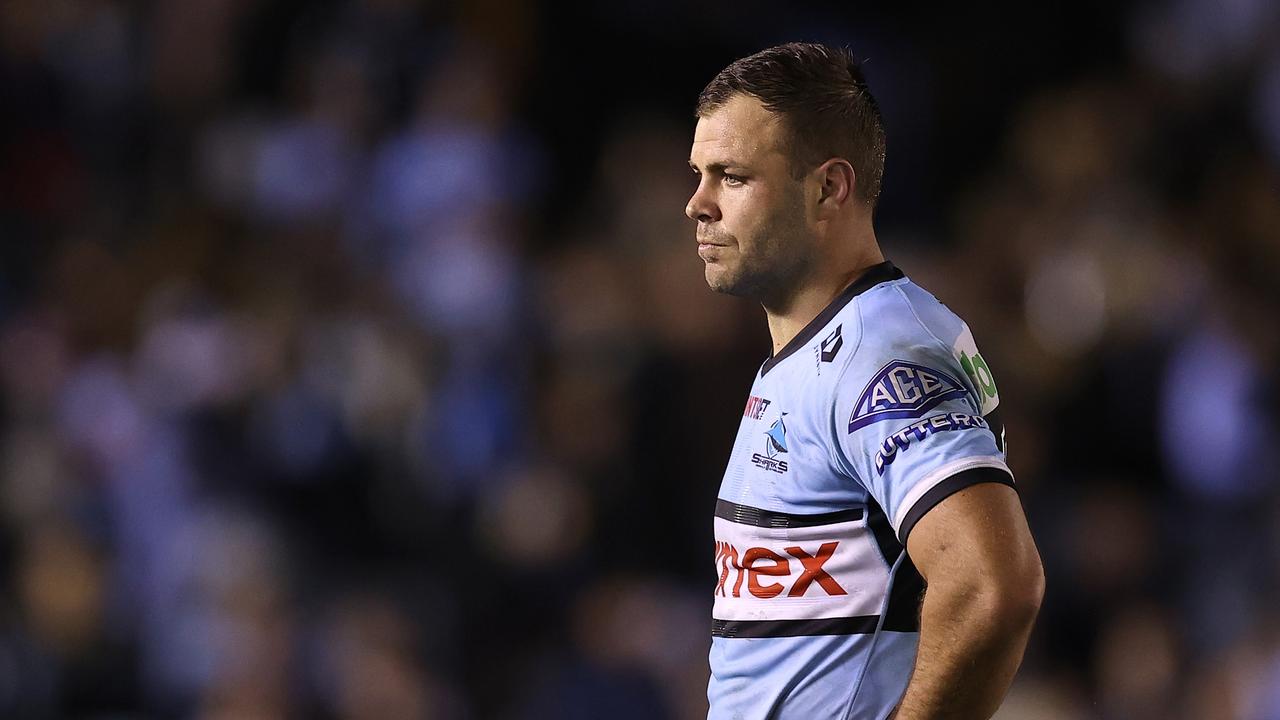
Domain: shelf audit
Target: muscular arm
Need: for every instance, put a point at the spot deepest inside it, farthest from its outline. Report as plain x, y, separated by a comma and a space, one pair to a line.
984, 585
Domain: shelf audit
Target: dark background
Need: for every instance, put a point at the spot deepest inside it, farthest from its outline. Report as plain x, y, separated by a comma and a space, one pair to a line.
356, 361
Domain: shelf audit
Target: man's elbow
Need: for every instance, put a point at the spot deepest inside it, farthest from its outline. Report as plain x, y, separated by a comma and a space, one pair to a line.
1016, 597
1006, 597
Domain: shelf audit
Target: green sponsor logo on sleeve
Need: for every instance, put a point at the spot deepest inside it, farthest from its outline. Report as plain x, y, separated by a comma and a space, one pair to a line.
977, 370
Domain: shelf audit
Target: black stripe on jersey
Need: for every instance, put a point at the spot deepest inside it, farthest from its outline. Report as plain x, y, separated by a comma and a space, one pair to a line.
747, 515
906, 591
857, 625
871, 277
950, 486
906, 587
882, 531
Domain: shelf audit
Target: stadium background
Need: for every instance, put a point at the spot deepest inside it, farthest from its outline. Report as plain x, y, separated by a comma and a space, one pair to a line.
355, 360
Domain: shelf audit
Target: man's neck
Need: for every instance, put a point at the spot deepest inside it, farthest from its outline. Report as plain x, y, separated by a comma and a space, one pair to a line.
786, 319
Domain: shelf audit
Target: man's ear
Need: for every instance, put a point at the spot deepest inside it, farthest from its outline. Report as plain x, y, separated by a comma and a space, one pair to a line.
836, 183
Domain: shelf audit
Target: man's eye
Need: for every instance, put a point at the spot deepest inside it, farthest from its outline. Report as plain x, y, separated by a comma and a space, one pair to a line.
733, 180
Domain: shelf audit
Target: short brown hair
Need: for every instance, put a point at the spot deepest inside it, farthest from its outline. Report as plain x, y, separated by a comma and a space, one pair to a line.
820, 93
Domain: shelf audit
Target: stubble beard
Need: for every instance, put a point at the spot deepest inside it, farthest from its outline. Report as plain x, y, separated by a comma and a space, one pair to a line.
779, 262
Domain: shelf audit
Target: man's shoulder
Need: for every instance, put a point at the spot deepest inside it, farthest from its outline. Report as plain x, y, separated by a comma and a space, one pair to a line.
913, 345
896, 321
904, 314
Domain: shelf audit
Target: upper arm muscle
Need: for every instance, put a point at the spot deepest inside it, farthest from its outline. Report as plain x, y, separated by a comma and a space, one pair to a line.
976, 535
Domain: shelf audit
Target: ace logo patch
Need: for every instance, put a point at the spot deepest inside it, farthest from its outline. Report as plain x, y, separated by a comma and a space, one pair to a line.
902, 389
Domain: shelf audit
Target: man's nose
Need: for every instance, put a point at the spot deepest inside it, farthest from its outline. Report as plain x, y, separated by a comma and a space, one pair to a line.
701, 208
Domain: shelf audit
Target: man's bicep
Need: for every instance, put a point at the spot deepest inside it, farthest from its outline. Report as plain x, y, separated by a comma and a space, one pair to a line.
977, 534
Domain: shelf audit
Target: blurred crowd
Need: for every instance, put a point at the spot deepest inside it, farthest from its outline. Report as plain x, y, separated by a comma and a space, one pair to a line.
356, 361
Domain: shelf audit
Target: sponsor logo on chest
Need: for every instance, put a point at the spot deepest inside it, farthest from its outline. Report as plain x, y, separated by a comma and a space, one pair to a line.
755, 407
764, 572
769, 574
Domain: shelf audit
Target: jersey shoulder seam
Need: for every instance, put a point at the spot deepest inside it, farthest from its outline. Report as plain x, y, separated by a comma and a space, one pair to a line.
948, 351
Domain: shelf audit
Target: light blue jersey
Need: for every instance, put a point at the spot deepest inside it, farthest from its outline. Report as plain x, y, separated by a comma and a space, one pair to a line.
879, 409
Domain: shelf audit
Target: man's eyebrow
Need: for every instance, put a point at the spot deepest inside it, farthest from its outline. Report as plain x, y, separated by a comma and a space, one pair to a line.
715, 167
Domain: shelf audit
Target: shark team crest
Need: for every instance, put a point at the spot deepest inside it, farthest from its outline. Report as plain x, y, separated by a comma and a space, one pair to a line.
775, 446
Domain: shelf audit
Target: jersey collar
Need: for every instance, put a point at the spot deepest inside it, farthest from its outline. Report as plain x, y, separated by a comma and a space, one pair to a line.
872, 276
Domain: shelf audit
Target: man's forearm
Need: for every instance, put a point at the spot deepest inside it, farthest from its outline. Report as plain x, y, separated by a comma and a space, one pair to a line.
971, 643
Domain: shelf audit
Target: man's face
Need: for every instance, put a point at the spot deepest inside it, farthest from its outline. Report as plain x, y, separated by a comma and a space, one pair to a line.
753, 232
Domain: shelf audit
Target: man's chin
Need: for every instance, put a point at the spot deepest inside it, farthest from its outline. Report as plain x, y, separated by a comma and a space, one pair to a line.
720, 280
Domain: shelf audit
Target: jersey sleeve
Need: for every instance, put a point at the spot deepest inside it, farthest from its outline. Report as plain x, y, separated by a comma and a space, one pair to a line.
910, 426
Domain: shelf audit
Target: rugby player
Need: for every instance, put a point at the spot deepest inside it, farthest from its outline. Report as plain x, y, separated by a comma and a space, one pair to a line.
872, 556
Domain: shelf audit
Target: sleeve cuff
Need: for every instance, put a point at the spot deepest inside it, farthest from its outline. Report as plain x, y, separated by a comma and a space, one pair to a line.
946, 488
